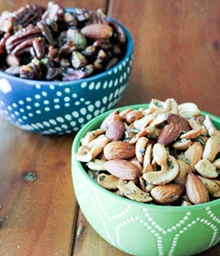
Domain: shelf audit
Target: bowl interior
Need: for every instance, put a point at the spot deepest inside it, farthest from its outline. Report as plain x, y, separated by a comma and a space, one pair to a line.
128, 54
95, 123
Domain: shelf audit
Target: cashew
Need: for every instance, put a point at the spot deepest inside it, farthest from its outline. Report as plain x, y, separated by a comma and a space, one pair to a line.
206, 169
195, 124
98, 145
159, 120
159, 107
184, 169
216, 163
216, 194
185, 202
135, 138
156, 105
173, 106
167, 173
147, 155
192, 134
211, 185
210, 126
160, 154
124, 112
140, 124
217, 182
188, 109
136, 162
182, 144
96, 165
148, 168
140, 148
149, 187
90, 136
146, 187
142, 184
97, 140
193, 154
108, 181
131, 191
151, 131
212, 148
83, 154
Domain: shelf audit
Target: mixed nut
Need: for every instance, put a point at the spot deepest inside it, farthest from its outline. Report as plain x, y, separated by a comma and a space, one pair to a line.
54, 43
167, 154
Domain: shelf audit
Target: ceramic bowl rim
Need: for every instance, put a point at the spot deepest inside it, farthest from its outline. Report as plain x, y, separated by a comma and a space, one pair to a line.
128, 54
108, 193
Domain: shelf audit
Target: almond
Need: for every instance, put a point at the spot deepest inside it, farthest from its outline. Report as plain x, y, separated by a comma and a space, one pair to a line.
115, 130
108, 119
169, 133
196, 190
184, 124
97, 31
133, 116
122, 169
168, 193
119, 149
194, 154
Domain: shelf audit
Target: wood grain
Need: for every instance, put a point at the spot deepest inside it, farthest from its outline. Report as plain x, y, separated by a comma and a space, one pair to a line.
37, 218
177, 54
13, 5
88, 242
177, 50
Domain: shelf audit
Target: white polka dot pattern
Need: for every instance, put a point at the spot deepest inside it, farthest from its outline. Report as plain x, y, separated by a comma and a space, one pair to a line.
54, 109
125, 222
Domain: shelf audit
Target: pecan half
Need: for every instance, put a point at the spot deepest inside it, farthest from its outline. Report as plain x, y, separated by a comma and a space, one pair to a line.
29, 14
46, 32
22, 35
39, 47
3, 42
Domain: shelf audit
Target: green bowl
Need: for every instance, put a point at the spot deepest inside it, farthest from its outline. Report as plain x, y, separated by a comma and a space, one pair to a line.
143, 229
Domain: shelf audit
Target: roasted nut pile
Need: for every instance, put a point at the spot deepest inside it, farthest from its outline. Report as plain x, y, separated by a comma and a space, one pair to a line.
55, 44
166, 154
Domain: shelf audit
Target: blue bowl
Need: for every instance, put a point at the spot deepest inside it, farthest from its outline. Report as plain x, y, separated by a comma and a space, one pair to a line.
62, 107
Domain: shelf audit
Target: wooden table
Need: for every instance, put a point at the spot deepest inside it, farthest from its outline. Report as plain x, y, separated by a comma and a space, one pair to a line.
41, 217
177, 54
